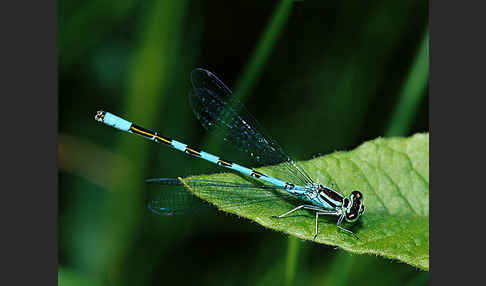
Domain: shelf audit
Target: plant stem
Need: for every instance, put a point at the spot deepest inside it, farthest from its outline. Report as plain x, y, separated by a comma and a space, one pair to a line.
293, 248
254, 68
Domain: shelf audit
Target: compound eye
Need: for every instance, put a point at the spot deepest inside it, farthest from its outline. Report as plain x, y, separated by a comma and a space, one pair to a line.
356, 209
357, 194
362, 209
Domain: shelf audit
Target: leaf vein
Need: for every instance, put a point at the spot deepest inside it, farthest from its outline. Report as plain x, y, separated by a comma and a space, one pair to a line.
396, 187
412, 167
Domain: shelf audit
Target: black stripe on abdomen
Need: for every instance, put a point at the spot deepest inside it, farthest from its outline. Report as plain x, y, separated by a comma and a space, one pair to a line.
224, 163
149, 134
289, 186
142, 131
192, 151
256, 174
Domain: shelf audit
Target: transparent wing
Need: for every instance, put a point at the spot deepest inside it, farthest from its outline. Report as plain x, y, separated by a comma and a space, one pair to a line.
217, 110
175, 199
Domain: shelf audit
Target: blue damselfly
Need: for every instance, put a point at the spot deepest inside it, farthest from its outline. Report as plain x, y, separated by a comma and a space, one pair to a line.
214, 106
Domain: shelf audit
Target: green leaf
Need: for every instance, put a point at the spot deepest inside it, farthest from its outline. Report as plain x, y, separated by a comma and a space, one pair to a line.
392, 174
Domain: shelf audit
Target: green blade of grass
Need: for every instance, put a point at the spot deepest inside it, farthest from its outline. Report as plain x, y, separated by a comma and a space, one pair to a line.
263, 48
412, 92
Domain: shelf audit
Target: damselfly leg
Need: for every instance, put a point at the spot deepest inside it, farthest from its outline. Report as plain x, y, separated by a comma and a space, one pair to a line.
340, 220
319, 211
307, 207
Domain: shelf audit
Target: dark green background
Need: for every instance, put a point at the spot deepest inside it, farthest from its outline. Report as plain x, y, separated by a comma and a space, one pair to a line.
318, 77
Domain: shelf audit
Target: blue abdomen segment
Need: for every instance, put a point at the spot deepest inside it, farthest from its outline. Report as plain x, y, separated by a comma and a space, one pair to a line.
209, 157
117, 122
274, 181
179, 146
241, 169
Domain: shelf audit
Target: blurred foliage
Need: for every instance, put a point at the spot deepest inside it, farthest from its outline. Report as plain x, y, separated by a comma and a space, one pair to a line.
319, 76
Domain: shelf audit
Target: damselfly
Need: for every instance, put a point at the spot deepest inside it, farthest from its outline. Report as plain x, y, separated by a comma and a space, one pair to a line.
214, 106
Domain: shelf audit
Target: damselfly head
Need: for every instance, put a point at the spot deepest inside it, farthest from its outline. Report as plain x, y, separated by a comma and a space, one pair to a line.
354, 206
